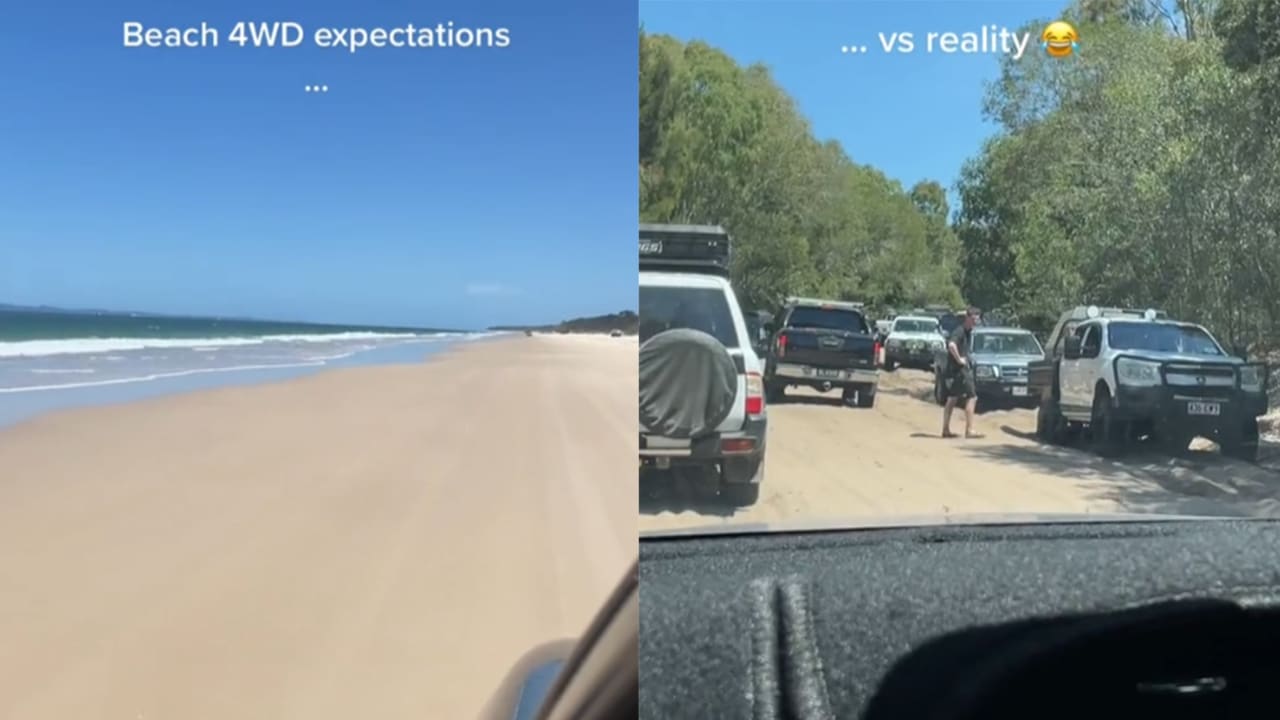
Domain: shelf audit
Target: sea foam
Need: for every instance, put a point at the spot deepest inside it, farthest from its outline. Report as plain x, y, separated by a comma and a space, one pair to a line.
82, 346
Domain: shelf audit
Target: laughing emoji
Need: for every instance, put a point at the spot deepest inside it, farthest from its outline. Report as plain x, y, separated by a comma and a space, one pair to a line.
1059, 39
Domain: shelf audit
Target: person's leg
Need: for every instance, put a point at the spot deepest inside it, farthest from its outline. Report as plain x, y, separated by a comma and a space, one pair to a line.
946, 415
970, 394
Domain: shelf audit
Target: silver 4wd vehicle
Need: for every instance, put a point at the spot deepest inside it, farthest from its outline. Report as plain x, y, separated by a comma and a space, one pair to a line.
1000, 356
912, 342
1127, 374
702, 405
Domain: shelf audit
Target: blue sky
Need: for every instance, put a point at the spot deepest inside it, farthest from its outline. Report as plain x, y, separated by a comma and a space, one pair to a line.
455, 187
913, 115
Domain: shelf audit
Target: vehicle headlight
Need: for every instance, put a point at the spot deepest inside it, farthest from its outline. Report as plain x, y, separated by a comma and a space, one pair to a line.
1137, 372
988, 371
936, 344
1251, 377
894, 342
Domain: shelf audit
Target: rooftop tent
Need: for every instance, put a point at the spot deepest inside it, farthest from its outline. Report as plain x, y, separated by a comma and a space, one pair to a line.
685, 248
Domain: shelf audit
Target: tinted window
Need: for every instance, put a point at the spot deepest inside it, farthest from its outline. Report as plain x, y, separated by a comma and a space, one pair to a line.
915, 326
1161, 337
705, 309
1092, 340
949, 323
828, 319
1006, 343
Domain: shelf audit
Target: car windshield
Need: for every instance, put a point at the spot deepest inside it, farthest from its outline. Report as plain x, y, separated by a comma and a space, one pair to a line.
1042, 191
827, 319
915, 326
1161, 337
1006, 343
695, 308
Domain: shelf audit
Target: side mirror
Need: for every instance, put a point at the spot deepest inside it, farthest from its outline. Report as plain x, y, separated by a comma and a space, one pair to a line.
1071, 348
1241, 351
528, 682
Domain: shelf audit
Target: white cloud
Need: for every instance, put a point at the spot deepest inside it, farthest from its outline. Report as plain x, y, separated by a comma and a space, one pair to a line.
491, 289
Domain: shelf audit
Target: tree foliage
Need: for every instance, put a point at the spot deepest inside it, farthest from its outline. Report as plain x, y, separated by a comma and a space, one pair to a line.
1145, 171
723, 144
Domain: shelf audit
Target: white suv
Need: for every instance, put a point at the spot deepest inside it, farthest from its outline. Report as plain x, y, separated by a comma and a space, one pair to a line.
702, 401
912, 341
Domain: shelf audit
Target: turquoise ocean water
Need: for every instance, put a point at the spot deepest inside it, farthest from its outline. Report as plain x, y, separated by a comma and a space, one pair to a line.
56, 359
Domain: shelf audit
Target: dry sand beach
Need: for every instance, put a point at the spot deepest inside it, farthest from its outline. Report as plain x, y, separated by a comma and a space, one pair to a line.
830, 463
366, 543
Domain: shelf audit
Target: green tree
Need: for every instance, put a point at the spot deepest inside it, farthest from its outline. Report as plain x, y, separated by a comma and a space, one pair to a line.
723, 144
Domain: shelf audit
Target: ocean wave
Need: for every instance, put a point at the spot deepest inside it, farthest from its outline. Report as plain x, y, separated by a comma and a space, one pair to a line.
62, 371
79, 346
157, 376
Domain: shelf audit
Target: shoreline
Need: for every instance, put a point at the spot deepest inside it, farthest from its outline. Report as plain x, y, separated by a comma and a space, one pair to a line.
23, 405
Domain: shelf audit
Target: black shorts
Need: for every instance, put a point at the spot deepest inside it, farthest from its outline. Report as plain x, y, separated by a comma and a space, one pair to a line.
959, 385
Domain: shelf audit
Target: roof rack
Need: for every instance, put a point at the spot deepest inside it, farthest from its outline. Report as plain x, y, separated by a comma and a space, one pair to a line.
1085, 312
819, 302
685, 248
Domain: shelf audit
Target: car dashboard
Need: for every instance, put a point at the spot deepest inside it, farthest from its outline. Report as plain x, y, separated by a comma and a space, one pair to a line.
1159, 618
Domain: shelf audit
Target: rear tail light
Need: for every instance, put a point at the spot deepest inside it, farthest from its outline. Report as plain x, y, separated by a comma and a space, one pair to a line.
877, 349
755, 394
782, 345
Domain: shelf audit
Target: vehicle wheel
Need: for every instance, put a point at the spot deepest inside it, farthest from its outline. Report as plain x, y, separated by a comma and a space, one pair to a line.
938, 395
774, 392
890, 365
866, 396
1245, 445
1051, 427
1108, 433
688, 383
847, 395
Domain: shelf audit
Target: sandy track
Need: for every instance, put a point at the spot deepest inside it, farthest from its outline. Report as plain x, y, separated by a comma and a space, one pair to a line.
369, 543
830, 462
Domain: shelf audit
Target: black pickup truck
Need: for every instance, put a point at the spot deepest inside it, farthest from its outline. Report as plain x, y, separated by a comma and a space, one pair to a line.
822, 344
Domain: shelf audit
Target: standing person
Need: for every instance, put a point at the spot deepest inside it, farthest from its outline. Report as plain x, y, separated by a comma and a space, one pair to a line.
959, 382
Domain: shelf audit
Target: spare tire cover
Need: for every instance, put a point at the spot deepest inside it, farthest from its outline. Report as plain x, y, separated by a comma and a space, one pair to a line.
688, 383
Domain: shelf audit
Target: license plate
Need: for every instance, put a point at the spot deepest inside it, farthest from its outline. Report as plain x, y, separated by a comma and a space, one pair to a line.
827, 373
1020, 391
1203, 408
